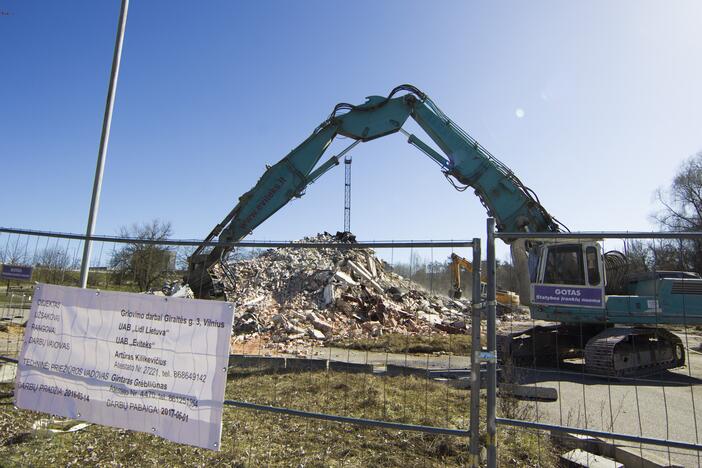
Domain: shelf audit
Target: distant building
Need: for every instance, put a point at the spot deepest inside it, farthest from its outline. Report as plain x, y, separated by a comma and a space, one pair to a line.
171, 260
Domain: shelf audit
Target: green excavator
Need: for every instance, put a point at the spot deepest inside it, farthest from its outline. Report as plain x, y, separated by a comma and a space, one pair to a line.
616, 322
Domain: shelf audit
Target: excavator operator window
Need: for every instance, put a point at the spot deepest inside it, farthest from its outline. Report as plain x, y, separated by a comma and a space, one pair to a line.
593, 272
564, 265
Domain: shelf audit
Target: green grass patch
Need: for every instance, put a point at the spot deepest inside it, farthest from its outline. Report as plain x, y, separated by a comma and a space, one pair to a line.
105, 280
255, 438
399, 343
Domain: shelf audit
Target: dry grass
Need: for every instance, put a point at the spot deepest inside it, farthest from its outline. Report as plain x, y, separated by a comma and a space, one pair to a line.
254, 438
11, 336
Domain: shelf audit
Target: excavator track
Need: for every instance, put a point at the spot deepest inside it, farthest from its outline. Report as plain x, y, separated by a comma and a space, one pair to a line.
541, 345
619, 352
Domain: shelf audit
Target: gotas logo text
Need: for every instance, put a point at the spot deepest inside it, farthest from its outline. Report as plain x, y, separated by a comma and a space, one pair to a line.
567, 292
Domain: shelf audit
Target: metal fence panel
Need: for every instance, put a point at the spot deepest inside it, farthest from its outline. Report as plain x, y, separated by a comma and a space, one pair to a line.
650, 414
412, 386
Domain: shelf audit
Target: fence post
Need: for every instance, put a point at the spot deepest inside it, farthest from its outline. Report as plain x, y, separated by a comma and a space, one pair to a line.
491, 347
475, 359
104, 138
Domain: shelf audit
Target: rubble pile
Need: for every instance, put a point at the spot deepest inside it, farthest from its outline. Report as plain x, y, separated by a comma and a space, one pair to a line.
294, 296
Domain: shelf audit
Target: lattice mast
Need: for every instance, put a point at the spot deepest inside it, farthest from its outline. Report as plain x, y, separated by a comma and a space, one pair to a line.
347, 194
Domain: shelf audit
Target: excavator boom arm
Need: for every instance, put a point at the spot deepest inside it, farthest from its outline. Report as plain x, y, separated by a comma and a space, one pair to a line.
512, 204
514, 207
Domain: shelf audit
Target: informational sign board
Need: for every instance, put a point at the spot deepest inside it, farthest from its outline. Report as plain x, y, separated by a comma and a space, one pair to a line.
567, 295
16, 272
135, 361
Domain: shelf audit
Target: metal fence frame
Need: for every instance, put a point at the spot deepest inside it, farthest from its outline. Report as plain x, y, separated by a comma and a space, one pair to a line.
492, 420
475, 244
477, 356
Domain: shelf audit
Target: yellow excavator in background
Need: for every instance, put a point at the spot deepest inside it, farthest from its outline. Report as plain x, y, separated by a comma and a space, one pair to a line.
505, 299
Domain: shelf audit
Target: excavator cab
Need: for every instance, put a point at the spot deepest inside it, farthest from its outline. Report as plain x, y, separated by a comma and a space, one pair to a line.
567, 274
568, 286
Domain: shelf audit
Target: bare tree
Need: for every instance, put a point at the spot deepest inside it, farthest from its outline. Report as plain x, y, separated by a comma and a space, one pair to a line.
682, 203
145, 263
55, 261
55, 258
13, 253
639, 256
505, 275
682, 211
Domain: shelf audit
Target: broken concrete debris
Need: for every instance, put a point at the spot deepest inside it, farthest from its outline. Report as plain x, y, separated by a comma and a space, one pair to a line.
291, 297
173, 289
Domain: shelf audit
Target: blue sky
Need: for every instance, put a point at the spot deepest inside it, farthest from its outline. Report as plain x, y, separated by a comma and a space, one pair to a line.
592, 104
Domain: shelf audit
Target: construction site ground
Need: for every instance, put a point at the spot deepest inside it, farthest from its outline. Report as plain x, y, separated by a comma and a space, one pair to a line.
664, 405
658, 405
662, 409
253, 438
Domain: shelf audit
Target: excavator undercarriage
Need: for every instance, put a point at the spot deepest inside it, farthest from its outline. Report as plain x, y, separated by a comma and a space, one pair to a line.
633, 351
608, 351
